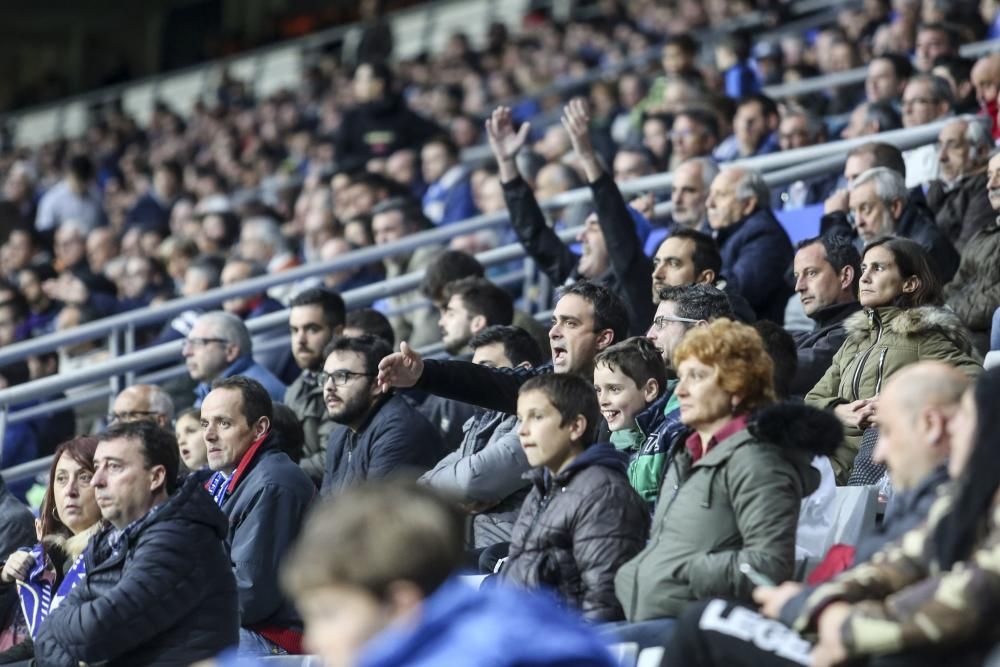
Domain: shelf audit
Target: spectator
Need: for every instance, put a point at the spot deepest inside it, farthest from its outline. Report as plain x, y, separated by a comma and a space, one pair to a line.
887, 76
986, 80
392, 220
472, 305
694, 134
395, 579
380, 433
732, 59
957, 71
627, 275
75, 197
153, 208
575, 539
871, 118
860, 159
261, 241
827, 272
190, 444
933, 41
162, 548
219, 346
264, 496
754, 128
453, 265
449, 195
725, 382
315, 317
486, 471
587, 319
102, 246
926, 98
959, 198
902, 323
381, 123
18, 251
143, 402
749, 238
369, 321
69, 517
632, 162
657, 138
799, 128
878, 201
632, 391
240, 269
974, 292
919, 408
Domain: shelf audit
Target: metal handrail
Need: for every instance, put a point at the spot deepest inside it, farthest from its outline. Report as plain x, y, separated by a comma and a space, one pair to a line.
858, 74
904, 138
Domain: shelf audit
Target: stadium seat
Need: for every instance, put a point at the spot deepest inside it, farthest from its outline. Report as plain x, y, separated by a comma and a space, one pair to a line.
801, 223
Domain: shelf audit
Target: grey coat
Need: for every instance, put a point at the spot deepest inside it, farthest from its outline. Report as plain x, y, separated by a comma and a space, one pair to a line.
306, 401
486, 471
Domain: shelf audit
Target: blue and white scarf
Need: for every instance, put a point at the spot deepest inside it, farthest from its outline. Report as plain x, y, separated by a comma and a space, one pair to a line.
35, 593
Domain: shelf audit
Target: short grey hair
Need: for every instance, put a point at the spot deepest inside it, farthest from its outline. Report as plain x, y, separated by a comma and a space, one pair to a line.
889, 184
752, 184
977, 133
160, 401
229, 326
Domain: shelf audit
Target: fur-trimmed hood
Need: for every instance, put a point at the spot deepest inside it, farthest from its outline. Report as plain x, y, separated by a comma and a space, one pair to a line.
798, 427
909, 322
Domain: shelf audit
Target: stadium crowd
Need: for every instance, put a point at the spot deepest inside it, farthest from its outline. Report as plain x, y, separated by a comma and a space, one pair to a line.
660, 458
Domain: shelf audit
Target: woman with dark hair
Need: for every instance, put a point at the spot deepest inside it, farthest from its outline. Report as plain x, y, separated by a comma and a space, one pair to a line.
49, 570
902, 323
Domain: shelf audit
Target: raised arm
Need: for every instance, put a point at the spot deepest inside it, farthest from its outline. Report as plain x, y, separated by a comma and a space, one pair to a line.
628, 261
534, 233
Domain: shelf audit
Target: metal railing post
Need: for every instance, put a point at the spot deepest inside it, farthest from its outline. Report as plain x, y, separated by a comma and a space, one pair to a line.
129, 349
3, 427
114, 380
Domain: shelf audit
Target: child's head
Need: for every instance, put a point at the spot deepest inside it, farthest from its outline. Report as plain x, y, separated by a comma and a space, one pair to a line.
559, 415
367, 560
628, 376
187, 428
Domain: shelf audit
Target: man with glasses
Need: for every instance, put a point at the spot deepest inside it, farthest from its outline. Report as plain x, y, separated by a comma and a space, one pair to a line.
926, 98
219, 346
379, 433
143, 402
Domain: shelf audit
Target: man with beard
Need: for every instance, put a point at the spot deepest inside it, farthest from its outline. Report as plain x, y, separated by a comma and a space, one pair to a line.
379, 433
316, 316
472, 304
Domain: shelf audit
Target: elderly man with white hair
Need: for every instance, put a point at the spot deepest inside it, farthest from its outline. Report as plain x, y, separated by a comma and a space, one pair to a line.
219, 346
877, 199
959, 197
755, 249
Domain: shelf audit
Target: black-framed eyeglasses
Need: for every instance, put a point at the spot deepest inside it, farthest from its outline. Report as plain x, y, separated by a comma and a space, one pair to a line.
131, 416
663, 320
202, 342
340, 378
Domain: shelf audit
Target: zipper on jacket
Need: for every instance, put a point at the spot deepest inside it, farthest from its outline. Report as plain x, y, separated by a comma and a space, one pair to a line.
856, 383
881, 368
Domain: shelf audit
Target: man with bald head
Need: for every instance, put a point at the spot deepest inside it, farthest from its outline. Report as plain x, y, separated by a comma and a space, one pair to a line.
755, 249
985, 78
914, 411
143, 402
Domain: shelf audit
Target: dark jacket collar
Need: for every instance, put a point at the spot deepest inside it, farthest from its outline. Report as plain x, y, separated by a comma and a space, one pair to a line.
600, 454
834, 313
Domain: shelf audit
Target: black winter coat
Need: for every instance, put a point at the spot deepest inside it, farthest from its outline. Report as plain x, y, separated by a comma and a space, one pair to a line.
394, 438
817, 347
575, 530
380, 128
166, 596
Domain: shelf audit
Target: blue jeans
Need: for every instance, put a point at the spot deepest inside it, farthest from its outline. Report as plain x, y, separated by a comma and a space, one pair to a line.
995, 331
646, 634
253, 644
